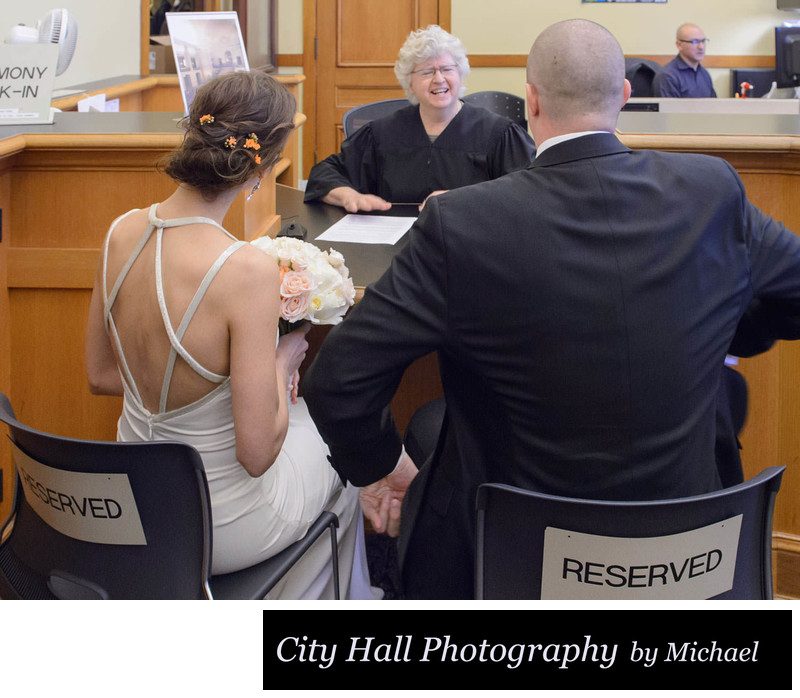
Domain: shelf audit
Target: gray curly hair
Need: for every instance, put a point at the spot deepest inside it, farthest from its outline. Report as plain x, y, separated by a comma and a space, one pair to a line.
423, 45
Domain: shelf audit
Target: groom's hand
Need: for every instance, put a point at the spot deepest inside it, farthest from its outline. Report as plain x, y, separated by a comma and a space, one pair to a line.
381, 501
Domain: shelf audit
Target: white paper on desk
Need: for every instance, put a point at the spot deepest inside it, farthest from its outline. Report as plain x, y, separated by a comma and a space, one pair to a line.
370, 230
93, 103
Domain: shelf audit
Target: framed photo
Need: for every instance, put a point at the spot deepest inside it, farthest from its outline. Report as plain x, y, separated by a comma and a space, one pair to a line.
205, 45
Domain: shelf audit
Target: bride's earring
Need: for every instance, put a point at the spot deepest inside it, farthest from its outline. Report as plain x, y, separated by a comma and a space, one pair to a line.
254, 189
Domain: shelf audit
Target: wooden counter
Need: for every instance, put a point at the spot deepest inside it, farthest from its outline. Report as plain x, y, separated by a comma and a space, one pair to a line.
161, 93
61, 186
769, 165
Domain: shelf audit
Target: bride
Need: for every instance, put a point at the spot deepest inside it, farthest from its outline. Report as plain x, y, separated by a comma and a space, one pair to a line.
183, 323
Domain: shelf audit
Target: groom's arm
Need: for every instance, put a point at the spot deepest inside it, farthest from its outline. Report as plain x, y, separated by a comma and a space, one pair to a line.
351, 383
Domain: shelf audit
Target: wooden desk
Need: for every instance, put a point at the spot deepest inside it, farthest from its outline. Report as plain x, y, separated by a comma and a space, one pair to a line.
366, 262
421, 381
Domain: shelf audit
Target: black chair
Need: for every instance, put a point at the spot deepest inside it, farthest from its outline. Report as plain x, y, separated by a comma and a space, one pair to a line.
716, 545
356, 117
640, 72
108, 520
501, 103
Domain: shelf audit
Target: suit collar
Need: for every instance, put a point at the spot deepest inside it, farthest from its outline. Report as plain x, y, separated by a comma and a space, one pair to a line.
590, 146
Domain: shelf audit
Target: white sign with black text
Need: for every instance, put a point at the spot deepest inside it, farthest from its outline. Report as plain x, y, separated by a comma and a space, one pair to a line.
27, 72
94, 507
696, 564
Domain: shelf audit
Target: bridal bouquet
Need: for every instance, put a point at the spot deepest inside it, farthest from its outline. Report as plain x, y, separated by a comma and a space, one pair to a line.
315, 285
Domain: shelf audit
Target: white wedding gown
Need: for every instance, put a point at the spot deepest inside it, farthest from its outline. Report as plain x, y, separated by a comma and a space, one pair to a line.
253, 518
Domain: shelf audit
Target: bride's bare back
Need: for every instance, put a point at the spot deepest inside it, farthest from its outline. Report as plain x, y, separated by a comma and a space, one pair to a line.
237, 126
188, 251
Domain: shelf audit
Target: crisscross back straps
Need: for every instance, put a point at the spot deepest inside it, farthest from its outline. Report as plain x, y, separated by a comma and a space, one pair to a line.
175, 337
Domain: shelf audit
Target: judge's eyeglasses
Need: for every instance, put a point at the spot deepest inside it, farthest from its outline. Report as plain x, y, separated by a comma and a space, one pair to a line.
445, 70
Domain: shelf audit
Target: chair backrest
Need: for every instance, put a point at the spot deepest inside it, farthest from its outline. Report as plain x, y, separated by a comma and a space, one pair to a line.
501, 103
356, 117
96, 519
716, 545
640, 73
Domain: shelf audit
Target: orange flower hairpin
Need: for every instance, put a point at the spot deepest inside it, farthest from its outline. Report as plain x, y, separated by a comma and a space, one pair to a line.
252, 142
206, 119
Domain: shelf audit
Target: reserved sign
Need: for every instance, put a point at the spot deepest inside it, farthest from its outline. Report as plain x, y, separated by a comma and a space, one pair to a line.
94, 507
696, 564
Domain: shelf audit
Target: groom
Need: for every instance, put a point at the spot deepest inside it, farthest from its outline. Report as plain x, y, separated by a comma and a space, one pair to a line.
581, 309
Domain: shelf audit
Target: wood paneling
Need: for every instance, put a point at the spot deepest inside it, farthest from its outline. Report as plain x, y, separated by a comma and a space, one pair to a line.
59, 192
49, 387
162, 94
786, 565
385, 27
348, 97
770, 170
7, 475
518, 60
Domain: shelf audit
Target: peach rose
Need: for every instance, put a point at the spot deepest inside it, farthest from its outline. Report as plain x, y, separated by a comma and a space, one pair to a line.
294, 308
295, 283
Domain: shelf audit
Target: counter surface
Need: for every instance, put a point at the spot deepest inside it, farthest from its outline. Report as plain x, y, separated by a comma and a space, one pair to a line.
709, 124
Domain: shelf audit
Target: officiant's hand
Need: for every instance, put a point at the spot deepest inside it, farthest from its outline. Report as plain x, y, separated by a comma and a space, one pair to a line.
353, 201
433, 193
381, 501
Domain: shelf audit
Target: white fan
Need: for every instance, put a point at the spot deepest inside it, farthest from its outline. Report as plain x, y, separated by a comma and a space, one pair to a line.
57, 27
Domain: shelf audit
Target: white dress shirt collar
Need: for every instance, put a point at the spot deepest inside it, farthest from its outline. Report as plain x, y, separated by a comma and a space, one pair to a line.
560, 139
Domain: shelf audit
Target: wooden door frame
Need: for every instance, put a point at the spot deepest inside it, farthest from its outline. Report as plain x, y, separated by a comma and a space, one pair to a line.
310, 72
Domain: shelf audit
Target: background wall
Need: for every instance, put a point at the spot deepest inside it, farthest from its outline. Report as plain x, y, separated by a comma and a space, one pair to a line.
108, 31
108, 35
290, 26
734, 27
508, 26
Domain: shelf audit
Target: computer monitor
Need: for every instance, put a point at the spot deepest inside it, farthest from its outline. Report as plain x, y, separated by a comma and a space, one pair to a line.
789, 4
787, 56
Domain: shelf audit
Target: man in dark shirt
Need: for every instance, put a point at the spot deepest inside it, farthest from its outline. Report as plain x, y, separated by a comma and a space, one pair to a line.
683, 76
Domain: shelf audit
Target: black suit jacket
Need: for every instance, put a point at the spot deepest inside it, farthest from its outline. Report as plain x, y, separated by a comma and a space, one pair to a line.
581, 309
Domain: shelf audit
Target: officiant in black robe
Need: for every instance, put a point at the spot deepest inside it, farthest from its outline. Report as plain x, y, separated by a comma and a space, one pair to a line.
395, 159
435, 143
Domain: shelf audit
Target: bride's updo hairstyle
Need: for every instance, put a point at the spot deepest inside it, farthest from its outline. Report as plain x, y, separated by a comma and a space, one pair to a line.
237, 127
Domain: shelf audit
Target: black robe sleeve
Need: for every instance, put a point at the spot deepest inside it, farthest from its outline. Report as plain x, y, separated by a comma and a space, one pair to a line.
514, 151
354, 166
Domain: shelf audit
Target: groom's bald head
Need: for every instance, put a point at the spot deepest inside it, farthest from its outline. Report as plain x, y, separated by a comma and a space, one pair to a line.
578, 70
